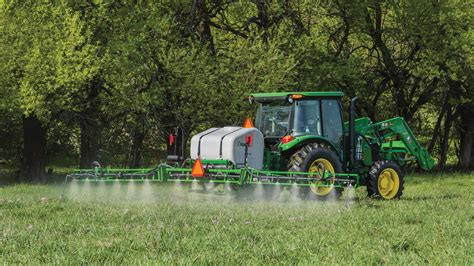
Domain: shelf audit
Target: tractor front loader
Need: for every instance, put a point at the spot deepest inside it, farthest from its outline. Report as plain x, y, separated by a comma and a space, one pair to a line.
299, 141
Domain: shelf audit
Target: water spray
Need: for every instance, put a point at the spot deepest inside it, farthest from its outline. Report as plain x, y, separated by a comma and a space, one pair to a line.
259, 190
276, 191
147, 190
350, 196
131, 189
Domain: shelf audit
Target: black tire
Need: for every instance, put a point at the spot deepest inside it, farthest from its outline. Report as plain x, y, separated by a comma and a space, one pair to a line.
302, 160
375, 173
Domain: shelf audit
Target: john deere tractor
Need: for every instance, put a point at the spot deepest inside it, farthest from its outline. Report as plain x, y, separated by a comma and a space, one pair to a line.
300, 140
305, 132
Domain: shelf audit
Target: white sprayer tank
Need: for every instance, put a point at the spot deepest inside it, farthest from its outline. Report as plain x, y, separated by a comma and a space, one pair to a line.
228, 143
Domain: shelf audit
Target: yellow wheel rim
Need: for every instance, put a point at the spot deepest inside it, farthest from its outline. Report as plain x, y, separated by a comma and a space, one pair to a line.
388, 183
319, 166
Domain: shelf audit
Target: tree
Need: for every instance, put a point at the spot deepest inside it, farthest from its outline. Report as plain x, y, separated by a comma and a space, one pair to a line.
49, 61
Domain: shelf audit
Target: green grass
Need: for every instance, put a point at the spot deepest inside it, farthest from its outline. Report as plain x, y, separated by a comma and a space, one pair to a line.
432, 223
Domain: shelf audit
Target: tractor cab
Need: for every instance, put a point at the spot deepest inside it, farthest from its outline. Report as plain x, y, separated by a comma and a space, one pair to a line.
283, 117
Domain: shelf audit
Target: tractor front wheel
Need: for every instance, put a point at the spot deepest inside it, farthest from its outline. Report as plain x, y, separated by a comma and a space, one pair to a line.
312, 158
385, 181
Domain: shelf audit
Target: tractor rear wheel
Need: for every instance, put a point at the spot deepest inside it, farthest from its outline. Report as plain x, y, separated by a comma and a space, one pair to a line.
312, 158
385, 181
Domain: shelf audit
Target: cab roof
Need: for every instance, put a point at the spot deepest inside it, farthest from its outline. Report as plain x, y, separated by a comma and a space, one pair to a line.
269, 96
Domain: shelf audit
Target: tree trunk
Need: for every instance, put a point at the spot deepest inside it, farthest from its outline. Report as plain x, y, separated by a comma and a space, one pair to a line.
466, 159
90, 134
471, 167
34, 150
136, 150
203, 24
437, 128
263, 18
89, 123
445, 142
391, 71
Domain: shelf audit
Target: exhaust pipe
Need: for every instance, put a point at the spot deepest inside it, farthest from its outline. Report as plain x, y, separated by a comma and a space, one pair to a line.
352, 133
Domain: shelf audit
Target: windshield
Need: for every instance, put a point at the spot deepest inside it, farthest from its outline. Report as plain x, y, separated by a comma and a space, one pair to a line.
272, 118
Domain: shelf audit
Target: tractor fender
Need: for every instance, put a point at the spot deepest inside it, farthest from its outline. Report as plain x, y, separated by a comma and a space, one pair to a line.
298, 142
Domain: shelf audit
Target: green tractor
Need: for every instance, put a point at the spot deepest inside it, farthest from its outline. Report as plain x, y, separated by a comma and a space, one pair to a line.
305, 132
299, 141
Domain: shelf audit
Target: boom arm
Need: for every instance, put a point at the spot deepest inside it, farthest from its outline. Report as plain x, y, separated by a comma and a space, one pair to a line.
396, 137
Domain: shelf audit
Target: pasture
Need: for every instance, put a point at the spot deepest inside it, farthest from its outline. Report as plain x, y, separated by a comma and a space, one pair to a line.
433, 223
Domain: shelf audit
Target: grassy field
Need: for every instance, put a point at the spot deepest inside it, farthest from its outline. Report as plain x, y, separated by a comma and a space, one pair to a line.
433, 223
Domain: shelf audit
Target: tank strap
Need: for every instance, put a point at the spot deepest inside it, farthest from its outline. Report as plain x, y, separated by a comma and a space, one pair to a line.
200, 138
222, 140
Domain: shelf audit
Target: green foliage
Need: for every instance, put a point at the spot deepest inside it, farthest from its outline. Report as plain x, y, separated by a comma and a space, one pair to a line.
47, 55
158, 65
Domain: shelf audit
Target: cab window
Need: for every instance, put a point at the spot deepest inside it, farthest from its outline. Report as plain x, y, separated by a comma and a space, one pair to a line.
307, 118
272, 119
332, 121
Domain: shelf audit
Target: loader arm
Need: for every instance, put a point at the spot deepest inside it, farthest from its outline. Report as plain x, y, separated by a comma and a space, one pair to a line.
396, 137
